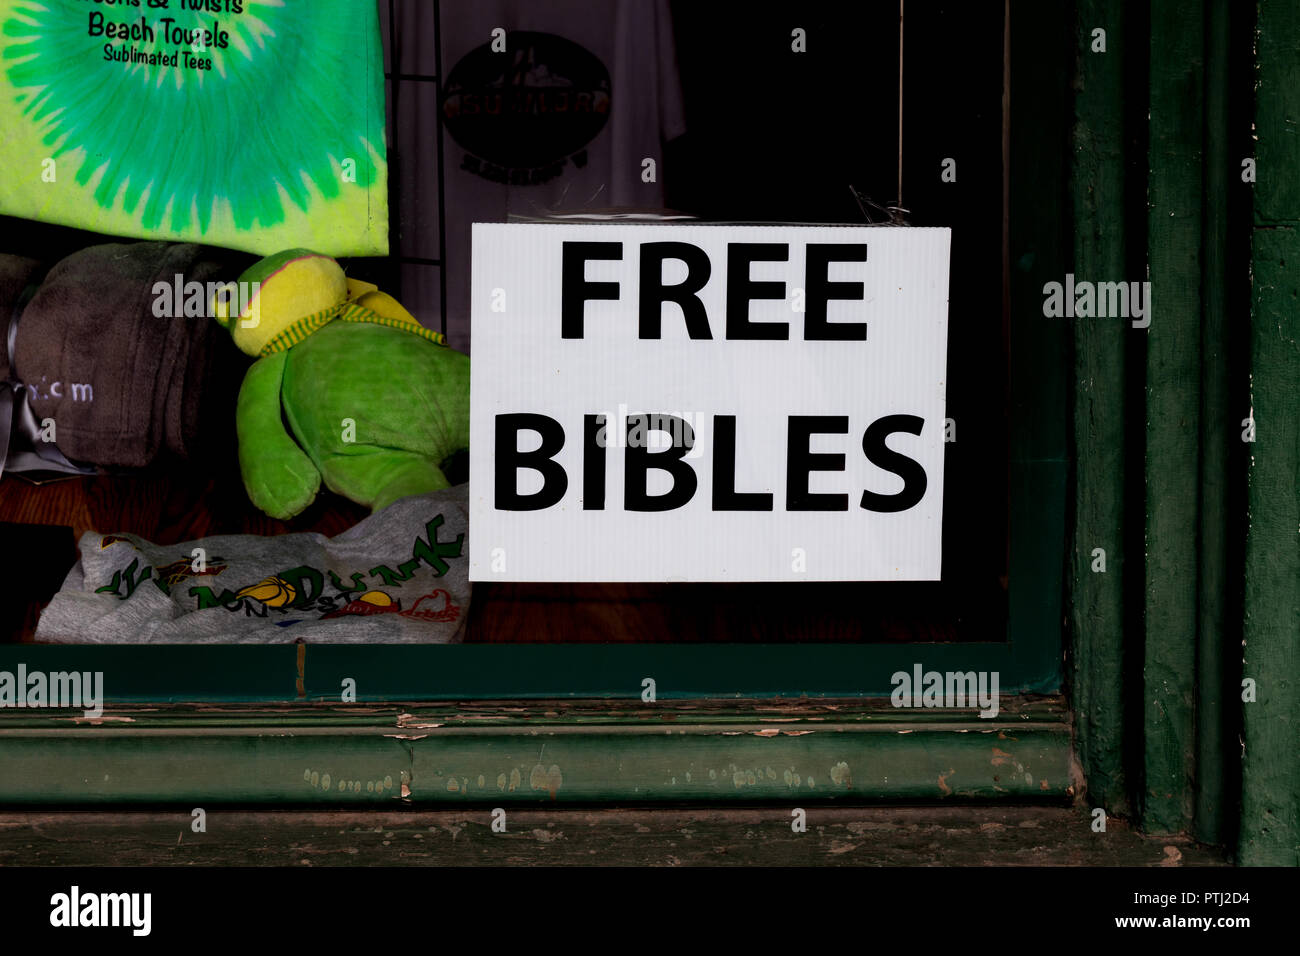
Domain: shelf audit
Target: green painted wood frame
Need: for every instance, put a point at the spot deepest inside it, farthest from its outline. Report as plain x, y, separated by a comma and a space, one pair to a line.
1141, 192
1201, 526
1270, 741
518, 753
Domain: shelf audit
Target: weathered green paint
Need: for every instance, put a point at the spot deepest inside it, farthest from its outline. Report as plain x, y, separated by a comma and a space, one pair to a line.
746, 764
1270, 804
1217, 429
1154, 639
534, 713
1175, 189
513, 756
1270, 829
1277, 104
1097, 605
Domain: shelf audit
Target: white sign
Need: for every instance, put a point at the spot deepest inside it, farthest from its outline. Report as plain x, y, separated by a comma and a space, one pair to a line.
707, 403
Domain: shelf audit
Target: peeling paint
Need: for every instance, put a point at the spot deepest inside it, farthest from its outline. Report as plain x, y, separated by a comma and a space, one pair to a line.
543, 779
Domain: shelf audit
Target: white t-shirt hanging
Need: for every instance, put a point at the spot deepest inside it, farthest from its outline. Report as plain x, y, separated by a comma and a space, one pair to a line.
562, 120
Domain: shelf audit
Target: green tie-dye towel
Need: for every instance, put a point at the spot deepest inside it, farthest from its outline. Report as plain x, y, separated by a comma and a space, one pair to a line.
251, 124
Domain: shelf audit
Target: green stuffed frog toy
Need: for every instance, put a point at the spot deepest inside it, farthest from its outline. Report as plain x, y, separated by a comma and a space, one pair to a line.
348, 387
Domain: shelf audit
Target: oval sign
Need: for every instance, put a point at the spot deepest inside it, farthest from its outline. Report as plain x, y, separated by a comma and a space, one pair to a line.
534, 104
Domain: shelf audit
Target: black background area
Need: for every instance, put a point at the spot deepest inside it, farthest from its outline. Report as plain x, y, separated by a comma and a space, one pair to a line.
775, 135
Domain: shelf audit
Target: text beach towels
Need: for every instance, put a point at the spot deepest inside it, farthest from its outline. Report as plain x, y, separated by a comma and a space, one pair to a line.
251, 124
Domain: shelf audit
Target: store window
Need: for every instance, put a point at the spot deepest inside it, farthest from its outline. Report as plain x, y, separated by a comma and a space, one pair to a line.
928, 115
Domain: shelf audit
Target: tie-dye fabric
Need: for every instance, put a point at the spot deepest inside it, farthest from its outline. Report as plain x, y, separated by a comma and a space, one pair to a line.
252, 124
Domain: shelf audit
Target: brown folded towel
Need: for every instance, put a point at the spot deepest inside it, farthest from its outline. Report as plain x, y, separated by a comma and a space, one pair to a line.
122, 384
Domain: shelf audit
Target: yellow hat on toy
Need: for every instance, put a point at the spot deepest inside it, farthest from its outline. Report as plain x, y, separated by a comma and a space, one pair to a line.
285, 296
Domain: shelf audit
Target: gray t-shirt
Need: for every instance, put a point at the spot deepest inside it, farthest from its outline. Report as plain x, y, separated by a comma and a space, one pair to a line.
397, 577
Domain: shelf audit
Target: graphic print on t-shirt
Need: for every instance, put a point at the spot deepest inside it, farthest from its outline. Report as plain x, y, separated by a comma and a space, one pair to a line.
559, 118
522, 114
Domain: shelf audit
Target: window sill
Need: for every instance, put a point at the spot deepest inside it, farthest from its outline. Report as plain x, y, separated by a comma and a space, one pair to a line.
536, 752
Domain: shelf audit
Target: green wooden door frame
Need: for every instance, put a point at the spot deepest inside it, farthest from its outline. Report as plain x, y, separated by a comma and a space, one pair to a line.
1199, 563
1270, 805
